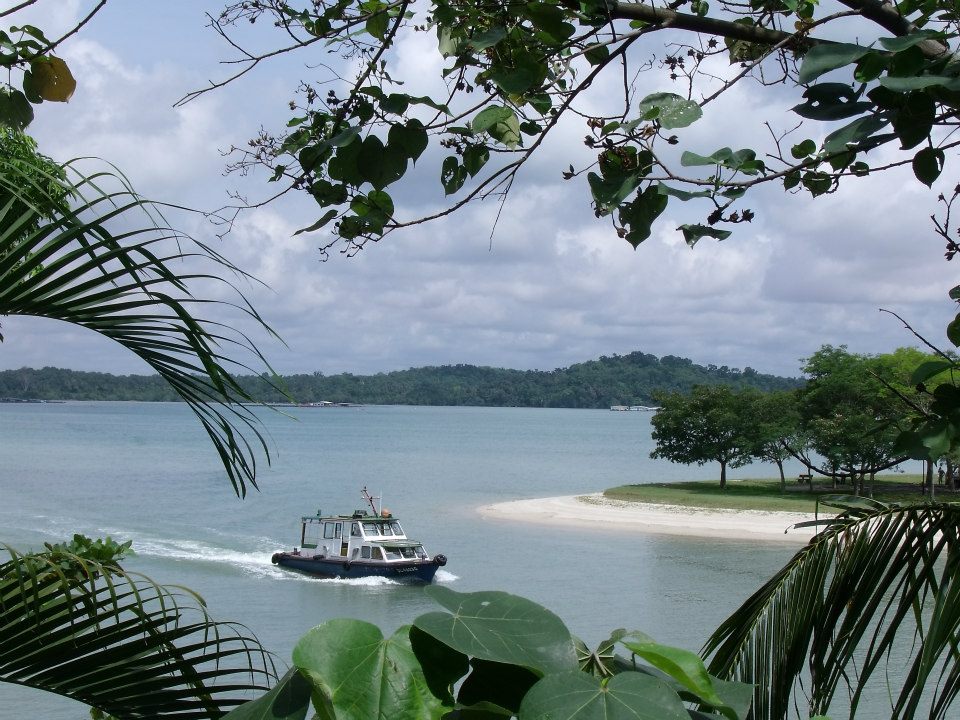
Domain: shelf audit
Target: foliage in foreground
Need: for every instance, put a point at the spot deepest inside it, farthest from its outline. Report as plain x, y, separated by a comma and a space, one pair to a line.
491, 656
73, 622
875, 594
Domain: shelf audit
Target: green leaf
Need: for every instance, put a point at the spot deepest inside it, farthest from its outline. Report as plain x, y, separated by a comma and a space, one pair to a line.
854, 133
913, 121
638, 216
831, 101
376, 208
410, 138
380, 165
821, 59
327, 193
524, 72
396, 103
327, 217
919, 82
953, 331
500, 627
682, 665
500, 122
442, 665
495, 683
452, 175
289, 700
928, 164
578, 696
359, 675
929, 369
345, 137
682, 194
870, 67
486, 38
608, 193
673, 111
313, 156
377, 25
693, 233
804, 149
551, 21
15, 110
597, 54
475, 157
743, 160
449, 44
897, 44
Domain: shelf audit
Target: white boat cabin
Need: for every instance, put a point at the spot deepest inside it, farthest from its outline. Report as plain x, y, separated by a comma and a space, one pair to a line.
357, 537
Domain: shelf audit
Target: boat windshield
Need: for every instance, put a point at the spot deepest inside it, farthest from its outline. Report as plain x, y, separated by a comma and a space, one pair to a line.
395, 527
371, 529
400, 553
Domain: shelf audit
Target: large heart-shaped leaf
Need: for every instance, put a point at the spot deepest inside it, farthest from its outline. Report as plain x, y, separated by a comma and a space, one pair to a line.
500, 627
358, 674
578, 696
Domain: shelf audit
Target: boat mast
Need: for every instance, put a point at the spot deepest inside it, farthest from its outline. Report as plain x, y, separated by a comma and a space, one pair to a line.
370, 501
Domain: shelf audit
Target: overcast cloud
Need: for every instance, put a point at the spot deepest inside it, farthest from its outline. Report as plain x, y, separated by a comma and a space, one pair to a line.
553, 286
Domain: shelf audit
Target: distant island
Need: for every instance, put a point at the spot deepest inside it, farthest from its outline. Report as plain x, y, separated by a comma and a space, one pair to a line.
626, 380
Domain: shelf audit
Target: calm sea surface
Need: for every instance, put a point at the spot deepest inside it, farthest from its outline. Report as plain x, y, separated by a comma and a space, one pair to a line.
146, 472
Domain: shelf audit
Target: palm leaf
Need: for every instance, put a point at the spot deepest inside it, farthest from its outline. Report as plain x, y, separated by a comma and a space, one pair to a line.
880, 582
121, 643
103, 262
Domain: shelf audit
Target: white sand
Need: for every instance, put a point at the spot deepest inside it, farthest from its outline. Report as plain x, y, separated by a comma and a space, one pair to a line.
598, 512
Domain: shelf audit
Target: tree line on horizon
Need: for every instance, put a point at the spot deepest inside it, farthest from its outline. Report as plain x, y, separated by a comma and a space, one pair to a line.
631, 379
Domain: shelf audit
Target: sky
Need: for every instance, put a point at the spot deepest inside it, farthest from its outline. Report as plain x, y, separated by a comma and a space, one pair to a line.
550, 287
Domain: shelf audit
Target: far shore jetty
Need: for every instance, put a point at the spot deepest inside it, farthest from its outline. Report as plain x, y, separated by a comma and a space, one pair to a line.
596, 511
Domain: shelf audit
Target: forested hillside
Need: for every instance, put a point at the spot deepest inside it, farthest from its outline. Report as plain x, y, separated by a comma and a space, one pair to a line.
617, 380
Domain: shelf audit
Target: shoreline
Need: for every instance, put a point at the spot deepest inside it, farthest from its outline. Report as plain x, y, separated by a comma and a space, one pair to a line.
600, 513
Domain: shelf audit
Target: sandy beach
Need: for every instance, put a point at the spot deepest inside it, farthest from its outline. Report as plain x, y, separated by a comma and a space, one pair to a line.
597, 511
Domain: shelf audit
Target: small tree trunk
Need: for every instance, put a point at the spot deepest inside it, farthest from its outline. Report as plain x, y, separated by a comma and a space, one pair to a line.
873, 476
723, 474
930, 482
783, 478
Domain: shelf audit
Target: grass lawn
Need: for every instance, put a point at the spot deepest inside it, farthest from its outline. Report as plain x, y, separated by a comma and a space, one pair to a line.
766, 495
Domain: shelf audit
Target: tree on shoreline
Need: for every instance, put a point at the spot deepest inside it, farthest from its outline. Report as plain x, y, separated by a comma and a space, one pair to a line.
711, 424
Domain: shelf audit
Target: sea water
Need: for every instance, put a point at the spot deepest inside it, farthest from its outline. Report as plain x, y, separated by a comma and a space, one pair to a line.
146, 472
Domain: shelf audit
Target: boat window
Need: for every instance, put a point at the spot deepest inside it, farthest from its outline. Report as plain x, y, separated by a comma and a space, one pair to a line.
392, 553
311, 535
407, 553
420, 552
365, 551
330, 530
397, 530
371, 529
354, 529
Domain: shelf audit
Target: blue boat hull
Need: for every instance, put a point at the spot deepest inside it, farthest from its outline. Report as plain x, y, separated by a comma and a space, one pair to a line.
413, 570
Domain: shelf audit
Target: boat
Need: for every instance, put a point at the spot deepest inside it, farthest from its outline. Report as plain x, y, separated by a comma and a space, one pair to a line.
363, 544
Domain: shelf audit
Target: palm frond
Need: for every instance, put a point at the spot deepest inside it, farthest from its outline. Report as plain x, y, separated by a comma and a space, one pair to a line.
880, 586
121, 643
103, 260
